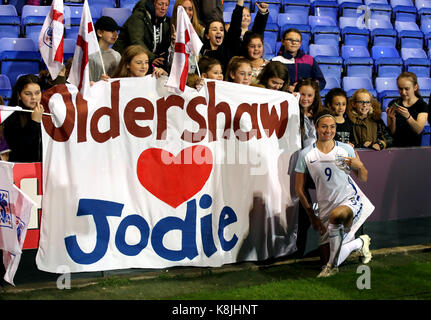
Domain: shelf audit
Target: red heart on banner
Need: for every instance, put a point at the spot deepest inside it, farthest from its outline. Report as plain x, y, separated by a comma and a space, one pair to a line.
174, 179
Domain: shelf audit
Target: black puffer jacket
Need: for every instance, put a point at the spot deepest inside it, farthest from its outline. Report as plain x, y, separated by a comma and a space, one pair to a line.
139, 29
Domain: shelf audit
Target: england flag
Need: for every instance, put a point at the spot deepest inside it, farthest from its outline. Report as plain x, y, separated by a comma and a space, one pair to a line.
15, 210
187, 42
51, 39
86, 44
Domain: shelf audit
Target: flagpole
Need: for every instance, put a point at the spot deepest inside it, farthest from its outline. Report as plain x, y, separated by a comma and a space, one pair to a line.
44, 113
101, 59
197, 67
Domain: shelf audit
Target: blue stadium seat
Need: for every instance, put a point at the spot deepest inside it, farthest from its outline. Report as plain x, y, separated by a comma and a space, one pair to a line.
343, 1
411, 39
326, 35
384, 37
96, 7
331, 66
395, 3
314, 21
351, 22
229, 5
350, 51
19, 56
424, 83
406, 25
387, 96
120, 15
355, 36
68, 48
426, 24
5, 88
426, 135
378, 52
323, 8
420, 67
388, 67
323, 50
270, 38
227, 16
274, 10
404, 13
385, 84
380, 11
170, 8
357, 61
369, 2
351, 84
32, 20
300, 7
72, 16
407, 53
10, 26
130, 4
8, 10
291, 18
331, 83
422, 4
351, 9
379, 24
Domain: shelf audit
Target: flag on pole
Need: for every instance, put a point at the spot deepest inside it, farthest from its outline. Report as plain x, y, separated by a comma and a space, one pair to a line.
15, 210
51, 39
6, 111
86, 44
187, 42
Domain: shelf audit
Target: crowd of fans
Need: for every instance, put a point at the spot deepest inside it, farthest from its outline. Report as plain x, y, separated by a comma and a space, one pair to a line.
235, 52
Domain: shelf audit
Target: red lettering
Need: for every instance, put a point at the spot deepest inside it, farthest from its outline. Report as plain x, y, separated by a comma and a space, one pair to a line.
131, 115
213, 111
162, 108
254, 131
112, 113
271, 122
197, 117
62, 133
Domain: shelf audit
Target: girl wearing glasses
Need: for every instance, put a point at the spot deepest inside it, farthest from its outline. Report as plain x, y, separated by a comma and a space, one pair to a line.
408, 114
369, 130
301, 65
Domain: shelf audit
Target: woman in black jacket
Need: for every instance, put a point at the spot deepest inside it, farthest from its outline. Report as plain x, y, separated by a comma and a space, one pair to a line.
22, 130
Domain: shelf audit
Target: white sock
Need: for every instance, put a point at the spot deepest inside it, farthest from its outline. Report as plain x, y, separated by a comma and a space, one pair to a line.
348, 248
336, 232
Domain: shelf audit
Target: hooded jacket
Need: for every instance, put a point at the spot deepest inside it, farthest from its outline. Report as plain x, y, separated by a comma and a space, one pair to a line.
140, 29
302, 66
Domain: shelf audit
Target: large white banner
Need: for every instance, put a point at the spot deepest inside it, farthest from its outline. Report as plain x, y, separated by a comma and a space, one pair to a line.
138, 177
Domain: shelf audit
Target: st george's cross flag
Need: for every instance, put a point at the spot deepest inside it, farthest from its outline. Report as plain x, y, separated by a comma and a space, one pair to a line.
187, 42
86, 44
15, 210
51, 39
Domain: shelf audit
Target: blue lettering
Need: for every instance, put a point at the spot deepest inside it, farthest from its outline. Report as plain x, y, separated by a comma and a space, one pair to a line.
188, 230
100, 210
120, 237
227, 217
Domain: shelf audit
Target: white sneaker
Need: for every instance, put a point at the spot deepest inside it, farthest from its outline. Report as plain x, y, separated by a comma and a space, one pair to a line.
327, 271
365, 250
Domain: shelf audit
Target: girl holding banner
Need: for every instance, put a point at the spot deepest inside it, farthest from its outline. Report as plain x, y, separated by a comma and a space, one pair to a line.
22, 130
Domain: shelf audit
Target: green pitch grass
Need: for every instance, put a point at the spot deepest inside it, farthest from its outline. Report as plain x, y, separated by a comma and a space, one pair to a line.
393, 277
